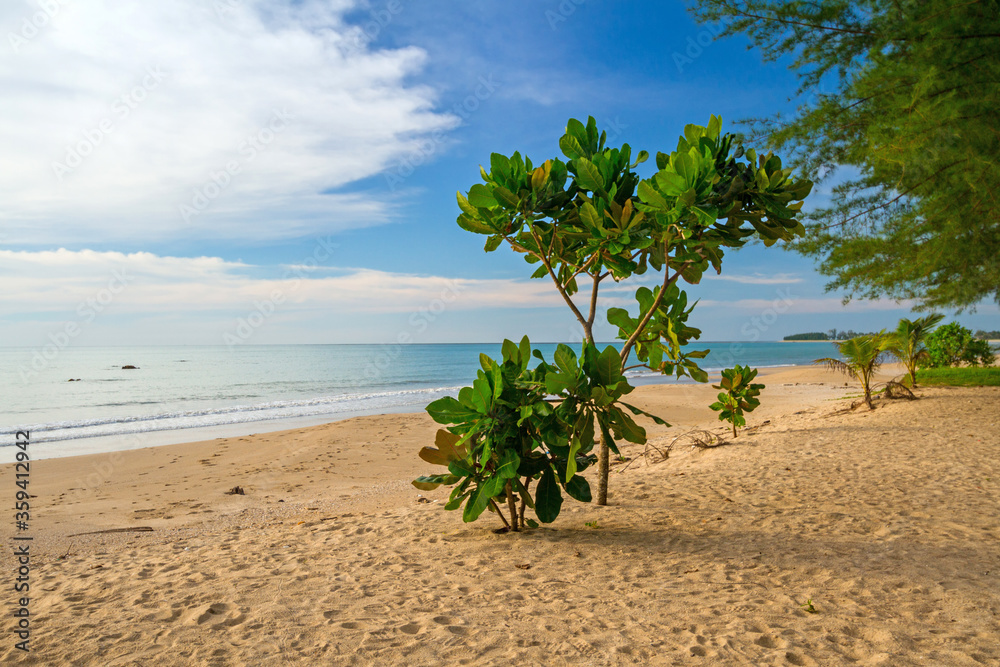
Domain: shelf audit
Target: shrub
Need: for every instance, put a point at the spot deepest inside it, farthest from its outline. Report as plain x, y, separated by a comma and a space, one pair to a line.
739, 395
517, 425
953, 344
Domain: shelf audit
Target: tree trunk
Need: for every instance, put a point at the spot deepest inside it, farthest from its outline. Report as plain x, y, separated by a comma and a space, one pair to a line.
527, 486
512, 506
734, 429
603, 467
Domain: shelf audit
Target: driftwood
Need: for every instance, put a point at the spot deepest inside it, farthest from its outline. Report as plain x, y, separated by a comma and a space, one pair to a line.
136, 529
699, 438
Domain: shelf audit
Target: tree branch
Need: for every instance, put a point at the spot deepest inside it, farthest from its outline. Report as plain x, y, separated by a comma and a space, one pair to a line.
847, 31
667, 282
894, 199
559, 286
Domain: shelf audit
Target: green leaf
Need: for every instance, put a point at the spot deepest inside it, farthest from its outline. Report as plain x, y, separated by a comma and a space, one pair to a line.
510, 351
574, 447
579, 489
472, 224
464, 204
548, 498
671, 183
589, 216
609, 366
629, 430
576, 129
565, 359
447, 410
714, 127
571, 147
499, 165
509, 462
431, 482
460, 468
640, 411
649, 195
506, 198
588, 175
620, 318
481, 197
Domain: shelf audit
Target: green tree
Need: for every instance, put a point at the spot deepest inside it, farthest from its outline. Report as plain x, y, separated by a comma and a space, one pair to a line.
519, 424
906, 94
907, 343
863, 356
592, 218
953, 344
739, 395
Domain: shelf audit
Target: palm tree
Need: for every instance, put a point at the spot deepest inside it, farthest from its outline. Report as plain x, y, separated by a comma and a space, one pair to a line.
907, 342
862, 358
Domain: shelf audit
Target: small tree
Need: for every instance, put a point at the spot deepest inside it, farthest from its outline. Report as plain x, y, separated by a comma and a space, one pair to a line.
592, 218
516, 425
953, 344
739, 395
863, 356
907, 343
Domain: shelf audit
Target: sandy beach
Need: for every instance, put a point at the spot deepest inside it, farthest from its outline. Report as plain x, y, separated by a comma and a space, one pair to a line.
817, 537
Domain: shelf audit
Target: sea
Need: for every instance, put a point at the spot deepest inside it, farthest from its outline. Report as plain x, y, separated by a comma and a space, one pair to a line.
81, 400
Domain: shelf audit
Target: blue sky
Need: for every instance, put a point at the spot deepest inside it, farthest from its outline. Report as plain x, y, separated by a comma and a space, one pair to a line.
252, 172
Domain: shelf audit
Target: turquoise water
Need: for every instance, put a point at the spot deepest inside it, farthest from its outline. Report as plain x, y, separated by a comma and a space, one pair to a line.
192, 387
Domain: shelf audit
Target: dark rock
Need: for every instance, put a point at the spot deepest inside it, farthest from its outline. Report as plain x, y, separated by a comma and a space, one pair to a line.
130, 368
235, 491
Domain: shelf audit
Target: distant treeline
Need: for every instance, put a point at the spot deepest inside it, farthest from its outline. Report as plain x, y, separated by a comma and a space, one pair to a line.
808, 336
832, 334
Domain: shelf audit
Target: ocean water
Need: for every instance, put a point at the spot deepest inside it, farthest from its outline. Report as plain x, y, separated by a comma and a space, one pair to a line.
181, 387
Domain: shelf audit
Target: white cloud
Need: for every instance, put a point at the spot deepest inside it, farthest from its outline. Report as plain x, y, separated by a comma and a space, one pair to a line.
57, 282
164, 96
758, 278
794, 305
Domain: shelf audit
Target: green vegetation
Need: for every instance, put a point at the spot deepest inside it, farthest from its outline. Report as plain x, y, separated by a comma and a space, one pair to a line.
987, 335
863, 356
907, 94
587, 220
831, 335
907, 343
953, 344
964, 376
504, 433
808, 336
739, 395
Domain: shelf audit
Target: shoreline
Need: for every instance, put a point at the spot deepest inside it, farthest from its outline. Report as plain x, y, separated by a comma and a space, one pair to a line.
885, 520
175, 436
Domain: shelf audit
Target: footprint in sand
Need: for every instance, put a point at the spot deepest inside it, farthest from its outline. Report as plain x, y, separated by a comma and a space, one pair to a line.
219, 614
